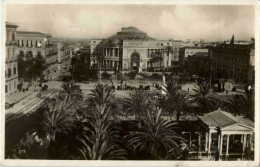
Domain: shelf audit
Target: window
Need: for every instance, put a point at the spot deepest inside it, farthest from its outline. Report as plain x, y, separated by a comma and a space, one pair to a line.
6, 89
7, 56
161, 44
9, 72
30, 43
14, 70
13, 36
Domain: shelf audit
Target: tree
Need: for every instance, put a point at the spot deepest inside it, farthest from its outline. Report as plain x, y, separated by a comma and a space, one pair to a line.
155, 136
138, 103
175, 100
204, 97
30, 67
241, 105
102, 94
99, 140
57, 117
72, 90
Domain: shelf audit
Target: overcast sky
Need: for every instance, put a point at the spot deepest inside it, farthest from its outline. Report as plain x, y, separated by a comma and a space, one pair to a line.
211, 23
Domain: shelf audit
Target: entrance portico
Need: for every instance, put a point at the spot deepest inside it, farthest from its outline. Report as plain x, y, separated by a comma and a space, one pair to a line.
235, 137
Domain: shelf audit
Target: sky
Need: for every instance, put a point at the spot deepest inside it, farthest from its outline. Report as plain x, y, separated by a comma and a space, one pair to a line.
180, 22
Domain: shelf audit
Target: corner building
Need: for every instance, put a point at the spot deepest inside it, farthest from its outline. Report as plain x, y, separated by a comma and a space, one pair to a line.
37, 43
131, 49
11, 69
237, 60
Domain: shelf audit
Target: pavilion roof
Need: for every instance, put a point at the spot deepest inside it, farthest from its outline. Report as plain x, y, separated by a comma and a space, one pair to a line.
224, 119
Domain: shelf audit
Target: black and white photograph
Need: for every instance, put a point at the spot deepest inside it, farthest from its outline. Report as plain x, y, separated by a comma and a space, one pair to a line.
129, 82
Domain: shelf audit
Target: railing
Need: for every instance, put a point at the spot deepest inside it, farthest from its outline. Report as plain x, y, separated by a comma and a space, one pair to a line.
51, 54
10, 43
49, 45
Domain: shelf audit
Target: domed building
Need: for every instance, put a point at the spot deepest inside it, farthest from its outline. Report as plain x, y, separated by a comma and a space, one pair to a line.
131, 49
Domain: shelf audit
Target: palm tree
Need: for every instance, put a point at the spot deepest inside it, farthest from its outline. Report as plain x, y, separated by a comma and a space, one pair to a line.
99, 140
57, 117
72, 90
102, 94
175, 100
203, 96
155, 136
241, 105
137, 104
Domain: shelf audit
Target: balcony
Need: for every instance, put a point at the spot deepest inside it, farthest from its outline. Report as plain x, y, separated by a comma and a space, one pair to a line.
51, 54
11, 43
10, 60
29, 46
48, 45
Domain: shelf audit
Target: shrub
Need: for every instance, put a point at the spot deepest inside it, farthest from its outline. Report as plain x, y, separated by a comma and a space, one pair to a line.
106, 75
132, 75
156, 76
120, 76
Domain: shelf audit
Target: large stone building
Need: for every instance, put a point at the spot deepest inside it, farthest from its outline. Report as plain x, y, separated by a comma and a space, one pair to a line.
236, 60
37, 43
64, 55
11, 70
132, 49
185, 52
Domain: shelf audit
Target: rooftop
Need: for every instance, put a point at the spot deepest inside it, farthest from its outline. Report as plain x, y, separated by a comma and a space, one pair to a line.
9, 24
32, 33
224, 119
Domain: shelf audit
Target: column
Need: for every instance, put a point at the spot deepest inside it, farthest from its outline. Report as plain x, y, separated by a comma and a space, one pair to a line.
221, 143
114, 52
244, 145
199, 144
250, 142
250, 145
206, 142
209, 147
106, 51
227, 147
218, 142
118, 52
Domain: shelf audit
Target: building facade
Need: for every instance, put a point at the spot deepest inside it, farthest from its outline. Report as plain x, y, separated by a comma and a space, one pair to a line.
37, 43
185, 52
11, 68
64, 55
132, 49
236, 60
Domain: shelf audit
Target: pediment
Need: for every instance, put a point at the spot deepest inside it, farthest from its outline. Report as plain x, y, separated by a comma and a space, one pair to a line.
238, 127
